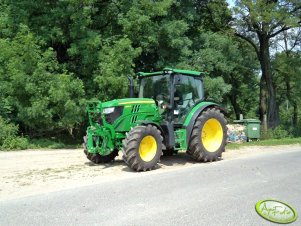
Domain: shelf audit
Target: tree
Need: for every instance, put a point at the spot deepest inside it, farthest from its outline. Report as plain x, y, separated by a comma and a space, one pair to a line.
55, 54
287, 73
287, 69
37, 92
231, 68
257, 22
116, 62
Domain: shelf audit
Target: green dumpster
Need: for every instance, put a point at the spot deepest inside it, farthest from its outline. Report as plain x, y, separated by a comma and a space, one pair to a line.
252, 128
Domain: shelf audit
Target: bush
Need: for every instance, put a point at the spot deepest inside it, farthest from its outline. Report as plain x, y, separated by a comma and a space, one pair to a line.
7, 130
8, 136
296, 131
12, 143
278, 133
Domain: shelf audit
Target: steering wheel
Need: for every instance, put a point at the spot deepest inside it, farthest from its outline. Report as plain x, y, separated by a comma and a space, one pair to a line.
162, 100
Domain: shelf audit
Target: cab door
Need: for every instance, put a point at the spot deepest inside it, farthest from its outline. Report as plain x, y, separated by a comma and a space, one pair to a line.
188, 90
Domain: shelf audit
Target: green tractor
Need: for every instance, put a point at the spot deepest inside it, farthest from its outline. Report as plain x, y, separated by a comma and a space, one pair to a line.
169, 114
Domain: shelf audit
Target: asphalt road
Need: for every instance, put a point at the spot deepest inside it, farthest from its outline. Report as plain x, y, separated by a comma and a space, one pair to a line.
221, 193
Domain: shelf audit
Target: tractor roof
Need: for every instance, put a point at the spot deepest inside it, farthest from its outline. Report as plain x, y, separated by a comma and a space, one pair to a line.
171, 71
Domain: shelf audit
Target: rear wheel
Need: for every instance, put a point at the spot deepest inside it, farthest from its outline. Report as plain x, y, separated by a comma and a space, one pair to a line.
142, 148
97, 158
208, 137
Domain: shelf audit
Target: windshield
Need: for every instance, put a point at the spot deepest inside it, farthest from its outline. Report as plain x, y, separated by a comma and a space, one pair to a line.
190, 88
154, 86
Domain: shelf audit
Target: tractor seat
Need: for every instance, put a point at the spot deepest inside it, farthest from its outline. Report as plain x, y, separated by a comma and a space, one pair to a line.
187, 101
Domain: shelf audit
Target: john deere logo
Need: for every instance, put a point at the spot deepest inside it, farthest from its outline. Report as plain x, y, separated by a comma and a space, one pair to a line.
276, 211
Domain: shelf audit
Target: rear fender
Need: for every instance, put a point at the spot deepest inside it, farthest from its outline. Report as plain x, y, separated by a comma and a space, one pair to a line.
196, 111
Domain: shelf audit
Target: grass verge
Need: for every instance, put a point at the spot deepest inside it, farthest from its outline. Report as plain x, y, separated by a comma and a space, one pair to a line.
50, 144
41, 144
269, 142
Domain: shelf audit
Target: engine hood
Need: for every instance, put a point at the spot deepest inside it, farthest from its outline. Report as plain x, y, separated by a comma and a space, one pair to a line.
127, 101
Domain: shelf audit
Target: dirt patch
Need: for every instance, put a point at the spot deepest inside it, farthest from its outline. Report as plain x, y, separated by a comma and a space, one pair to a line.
25, 173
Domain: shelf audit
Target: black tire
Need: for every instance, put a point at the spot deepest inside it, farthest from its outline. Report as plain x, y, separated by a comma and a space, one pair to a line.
197, 148
132, 144
97, 158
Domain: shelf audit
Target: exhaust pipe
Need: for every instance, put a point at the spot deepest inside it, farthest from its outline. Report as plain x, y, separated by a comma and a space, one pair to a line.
131, 86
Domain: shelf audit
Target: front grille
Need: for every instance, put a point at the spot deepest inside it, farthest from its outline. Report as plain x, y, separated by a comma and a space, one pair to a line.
136, 108
134, 118
110, 118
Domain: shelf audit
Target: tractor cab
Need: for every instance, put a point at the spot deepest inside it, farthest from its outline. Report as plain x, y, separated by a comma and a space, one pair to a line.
175, 92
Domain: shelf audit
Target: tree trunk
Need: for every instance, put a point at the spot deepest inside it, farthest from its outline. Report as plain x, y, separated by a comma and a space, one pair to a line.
233, 99
295, 113
272, 106
263, 104
233, 96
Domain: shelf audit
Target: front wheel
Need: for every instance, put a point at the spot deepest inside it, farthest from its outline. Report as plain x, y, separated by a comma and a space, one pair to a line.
208, 137
142, 148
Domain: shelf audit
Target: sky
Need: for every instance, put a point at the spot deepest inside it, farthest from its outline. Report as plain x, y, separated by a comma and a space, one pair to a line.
231, 2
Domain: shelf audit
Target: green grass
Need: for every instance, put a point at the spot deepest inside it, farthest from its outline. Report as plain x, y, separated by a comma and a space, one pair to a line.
269, 142
55, 144
50, 144
42, 144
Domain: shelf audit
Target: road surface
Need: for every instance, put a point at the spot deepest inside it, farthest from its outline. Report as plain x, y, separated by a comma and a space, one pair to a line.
220, 193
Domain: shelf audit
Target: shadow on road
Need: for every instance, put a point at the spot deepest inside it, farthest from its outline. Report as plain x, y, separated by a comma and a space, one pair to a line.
180, 159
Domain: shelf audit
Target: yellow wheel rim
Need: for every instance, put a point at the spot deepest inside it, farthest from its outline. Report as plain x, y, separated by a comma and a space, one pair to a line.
212, 135
147, 148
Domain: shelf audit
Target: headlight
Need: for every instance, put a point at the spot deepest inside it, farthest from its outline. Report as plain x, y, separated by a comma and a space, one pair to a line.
108, 110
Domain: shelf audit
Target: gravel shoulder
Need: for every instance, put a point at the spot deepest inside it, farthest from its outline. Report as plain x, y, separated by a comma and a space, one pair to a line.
31, 172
